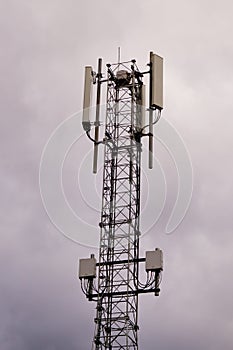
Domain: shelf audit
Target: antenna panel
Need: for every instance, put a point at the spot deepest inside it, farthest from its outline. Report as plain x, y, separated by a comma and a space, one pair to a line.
87, 98
156, 81
143, 104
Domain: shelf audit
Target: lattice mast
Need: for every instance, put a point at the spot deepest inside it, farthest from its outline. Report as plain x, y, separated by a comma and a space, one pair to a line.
118, 286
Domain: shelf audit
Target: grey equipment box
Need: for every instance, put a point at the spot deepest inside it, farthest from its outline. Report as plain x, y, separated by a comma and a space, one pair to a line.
87, 268
154, 260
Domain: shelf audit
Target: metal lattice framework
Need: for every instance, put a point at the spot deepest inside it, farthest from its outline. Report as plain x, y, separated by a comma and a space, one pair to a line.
116, 321
118, 286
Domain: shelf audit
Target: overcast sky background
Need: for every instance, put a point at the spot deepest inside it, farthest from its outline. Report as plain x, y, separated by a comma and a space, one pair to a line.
44, 48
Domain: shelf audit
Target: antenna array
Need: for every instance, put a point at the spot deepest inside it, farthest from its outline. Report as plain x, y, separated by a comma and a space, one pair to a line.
118, 283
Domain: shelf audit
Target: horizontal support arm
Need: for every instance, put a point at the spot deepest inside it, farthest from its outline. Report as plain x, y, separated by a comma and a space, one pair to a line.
124, 292
121, 262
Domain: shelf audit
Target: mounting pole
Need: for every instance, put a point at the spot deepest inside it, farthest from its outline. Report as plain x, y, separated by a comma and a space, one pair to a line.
98, 97
151, 141
119, 55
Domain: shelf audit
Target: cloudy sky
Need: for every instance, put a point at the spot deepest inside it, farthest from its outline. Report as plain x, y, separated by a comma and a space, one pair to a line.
44, 48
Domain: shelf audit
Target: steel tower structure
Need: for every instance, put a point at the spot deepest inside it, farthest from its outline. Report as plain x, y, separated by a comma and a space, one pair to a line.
118, 286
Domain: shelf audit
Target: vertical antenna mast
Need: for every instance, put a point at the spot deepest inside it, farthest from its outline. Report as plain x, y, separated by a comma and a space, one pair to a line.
119, 55
118, 284
98, 97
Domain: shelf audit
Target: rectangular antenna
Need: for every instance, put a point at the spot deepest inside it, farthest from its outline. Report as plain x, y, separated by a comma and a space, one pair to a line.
98, 97
156, 81
88, 81
156, 96
143, 104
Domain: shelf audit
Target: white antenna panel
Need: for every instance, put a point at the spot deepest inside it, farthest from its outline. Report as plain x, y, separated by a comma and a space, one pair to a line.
87, 96
157, 81
143, 104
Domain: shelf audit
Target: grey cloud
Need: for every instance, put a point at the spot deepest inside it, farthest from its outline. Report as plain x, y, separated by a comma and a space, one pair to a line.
44, 48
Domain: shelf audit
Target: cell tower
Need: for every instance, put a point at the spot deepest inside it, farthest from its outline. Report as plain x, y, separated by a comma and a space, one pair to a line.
113, 282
